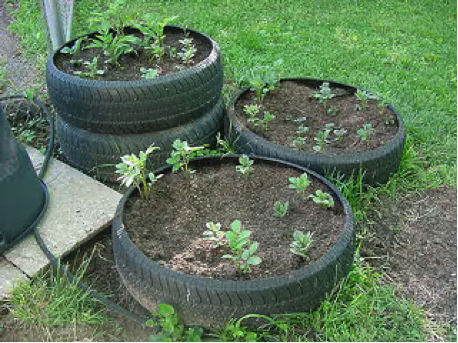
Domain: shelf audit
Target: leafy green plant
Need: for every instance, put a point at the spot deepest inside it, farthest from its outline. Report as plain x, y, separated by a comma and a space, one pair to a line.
363, 96
299, 142
264, 122
263, 79
251, 110
365, 132
92, 69
246, 165
339, 134
321, 139
133, 171
172, 329
224, 145
300, 184
382, 106
149, 73
76, 48
187, 51
242, 248
281, 208
180, 156
322, 198
302, 130
324, 94
114, 17
114, 46
301, 243
332, 111
215, 234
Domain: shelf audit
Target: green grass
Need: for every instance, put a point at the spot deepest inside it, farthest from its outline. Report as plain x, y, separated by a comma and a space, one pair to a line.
404, 51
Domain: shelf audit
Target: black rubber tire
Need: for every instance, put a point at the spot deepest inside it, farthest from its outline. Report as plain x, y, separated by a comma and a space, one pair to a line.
377, 165
128, 107
211, 303
97, 153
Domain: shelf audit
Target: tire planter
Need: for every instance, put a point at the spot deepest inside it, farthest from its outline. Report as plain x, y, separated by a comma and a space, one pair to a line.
378, 164
131, 107
98, 152
210, 302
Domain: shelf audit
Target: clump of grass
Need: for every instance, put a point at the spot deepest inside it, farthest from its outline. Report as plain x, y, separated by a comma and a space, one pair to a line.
52, 299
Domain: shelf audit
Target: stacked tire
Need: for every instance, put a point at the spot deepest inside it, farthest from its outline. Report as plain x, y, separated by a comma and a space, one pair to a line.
100, 121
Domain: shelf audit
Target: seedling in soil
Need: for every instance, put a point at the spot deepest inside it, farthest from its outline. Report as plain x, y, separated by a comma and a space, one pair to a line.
133, 171
149, 73
113, 17
264, 122
215, 234
366, 131
302, 130
114, 46
281, 208
300, 184
243, 251
251, 110
299, 142
322, 198
92, 69
382, 105
263, 79
321, 139
225, 146
363, 96
301, 243
339, 134
187, 51
332, 111
180, 156
76, 48
246, 165
324, 94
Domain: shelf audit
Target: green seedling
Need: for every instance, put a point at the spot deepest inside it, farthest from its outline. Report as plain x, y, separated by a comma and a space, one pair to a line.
301, 243
299, 142
76, 48
339, 134
363, 96
187, 51
215, 234
281, 208
224, 145
251, 110
322, 198
382, 106
263, 79
332, 111
114, 17
302, 130
172, 328
92, 69
180, 156
365, 132
242, 249
149, 73
246, 165
114, 46
134, 172
324, 94
321, 139
300, 184
154, 37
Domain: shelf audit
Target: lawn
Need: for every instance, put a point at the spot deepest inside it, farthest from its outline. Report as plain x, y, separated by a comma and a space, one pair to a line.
404, 51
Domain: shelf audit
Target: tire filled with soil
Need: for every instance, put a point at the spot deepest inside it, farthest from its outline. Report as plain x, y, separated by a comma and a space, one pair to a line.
163, 257
299, 117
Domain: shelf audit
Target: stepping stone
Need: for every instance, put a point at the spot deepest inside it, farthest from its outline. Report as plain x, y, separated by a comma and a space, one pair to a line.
79, 208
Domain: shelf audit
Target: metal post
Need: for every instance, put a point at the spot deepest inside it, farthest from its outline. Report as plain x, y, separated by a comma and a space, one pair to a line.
58, 15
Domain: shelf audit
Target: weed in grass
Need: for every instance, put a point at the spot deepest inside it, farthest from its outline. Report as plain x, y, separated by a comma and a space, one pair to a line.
51, 299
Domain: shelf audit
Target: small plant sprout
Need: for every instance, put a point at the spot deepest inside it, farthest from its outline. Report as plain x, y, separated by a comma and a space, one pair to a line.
321, 139
301, 243
263, 79
75, 48
281, 208
153, 37
242, 249
366, 131
322, 198
114, 46
382, 106
246, 165
363, 96
339, 134
180, 156
149, 73
302, 130
332, 111
187, 51
251, 110
215, 234
299, 142
264, 122
300, 184
133, 171
91, 69
324, 94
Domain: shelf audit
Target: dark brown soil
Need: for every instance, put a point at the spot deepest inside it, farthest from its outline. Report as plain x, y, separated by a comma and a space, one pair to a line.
169, 228
291, 100
131, 64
